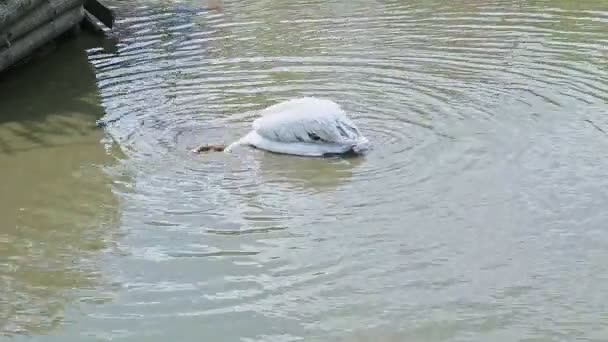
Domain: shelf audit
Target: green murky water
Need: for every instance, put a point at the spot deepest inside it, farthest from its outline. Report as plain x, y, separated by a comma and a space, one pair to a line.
479, 215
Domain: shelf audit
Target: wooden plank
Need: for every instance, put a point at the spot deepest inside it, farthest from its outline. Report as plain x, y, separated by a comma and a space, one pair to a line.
38, 16
100, 11
92, 24
12, 10
40, 36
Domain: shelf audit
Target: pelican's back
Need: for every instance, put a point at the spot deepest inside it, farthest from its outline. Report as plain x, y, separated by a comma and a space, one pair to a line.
307, 119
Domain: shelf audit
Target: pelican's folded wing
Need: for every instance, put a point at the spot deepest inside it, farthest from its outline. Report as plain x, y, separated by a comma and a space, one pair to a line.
306, 120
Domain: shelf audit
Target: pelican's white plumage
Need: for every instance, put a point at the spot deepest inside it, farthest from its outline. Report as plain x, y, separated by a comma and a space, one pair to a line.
305, 126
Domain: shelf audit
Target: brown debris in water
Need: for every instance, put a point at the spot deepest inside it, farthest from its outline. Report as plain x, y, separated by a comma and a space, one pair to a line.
209, 148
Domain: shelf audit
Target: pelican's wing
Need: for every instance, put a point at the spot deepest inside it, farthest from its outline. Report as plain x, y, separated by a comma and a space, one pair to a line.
306, 120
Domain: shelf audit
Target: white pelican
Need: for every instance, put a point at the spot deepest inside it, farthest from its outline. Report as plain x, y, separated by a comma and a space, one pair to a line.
305, 126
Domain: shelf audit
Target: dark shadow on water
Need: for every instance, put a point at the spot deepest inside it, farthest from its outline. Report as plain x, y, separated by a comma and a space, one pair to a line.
58, 83
56, 202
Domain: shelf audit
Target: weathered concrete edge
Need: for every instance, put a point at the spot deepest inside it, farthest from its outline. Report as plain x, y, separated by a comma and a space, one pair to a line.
36, 18
38, 37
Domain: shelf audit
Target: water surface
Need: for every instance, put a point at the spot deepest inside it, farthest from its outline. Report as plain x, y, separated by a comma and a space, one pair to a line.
57, 209
479, 215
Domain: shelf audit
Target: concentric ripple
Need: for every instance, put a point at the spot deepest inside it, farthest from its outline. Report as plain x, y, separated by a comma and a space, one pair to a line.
475, 216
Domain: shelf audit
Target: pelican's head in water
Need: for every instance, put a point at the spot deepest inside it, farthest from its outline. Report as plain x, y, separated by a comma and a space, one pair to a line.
305, 126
